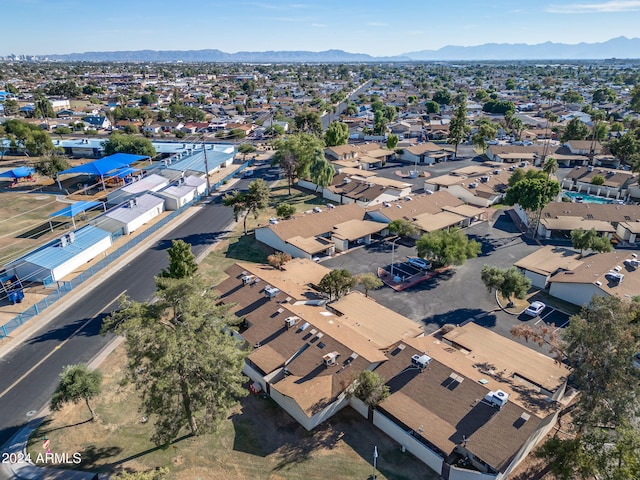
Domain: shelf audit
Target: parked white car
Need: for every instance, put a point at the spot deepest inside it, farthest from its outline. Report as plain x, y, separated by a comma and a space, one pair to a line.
535, 309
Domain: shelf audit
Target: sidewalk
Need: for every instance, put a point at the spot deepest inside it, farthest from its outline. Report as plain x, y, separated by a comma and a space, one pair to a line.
17, 445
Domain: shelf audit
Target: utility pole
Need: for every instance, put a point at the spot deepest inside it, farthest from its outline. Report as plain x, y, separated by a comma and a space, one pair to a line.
206, 165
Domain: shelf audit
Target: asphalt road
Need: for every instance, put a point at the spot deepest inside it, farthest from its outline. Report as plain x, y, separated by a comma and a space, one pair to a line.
29, 373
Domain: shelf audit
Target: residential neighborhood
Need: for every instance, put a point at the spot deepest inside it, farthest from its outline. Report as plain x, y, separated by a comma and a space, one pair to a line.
421, 248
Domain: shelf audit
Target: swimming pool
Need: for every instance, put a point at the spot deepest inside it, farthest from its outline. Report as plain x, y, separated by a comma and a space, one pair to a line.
588, 198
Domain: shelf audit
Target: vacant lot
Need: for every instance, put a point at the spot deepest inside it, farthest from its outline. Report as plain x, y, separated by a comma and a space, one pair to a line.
258, 440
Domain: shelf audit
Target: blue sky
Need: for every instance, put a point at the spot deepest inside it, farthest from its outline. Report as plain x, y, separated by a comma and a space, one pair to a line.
375, 27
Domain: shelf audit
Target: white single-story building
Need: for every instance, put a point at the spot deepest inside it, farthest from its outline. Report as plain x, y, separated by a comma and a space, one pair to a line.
150, 183
128, 217
176, 196
59, 258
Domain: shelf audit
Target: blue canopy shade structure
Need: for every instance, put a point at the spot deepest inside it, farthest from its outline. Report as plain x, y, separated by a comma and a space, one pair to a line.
122, 172
19, 172
104, 165
73, 210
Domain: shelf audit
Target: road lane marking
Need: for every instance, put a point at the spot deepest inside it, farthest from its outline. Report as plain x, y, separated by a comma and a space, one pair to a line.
57, 347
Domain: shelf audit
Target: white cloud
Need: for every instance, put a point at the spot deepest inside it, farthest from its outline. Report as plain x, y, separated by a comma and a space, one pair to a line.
611, 6
377, 24
319, 25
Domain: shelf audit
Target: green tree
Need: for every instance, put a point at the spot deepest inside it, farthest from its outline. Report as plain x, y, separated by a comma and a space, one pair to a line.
369, 281
119, 143
182, 261
370, 388
571, 96
576, 129
589, 239
51, 164
509, 282
321, 171
181, 357
634, 102
442, 97
447, 247
626, 147
286, 210
600, 343
597, 180
432, 107
602, 95
532, 194
458, 127
510, 84
402, 227
336, 283
32, 138
295, 154
245, 149
279, 259
77, 383
253, 201
486, 131
308, 122
43, 108
62, 130
337, 134
11, 107
392, 141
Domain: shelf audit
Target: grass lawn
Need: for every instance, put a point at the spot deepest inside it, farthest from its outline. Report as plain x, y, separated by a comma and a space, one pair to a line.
245, 248
257, 440
24, 222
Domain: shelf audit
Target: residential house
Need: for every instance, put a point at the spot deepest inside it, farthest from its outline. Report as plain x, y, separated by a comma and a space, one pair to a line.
482, 186
558, 219
321, 232
426, 153
453, 397
616, 273
97, 122
545, 262
428, 212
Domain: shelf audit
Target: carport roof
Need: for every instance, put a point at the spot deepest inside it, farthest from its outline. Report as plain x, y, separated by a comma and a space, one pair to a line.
354, 229
311, 245
428, 222
575, 223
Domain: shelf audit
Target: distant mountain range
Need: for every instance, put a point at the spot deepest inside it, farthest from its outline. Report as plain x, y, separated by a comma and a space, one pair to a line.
621, 48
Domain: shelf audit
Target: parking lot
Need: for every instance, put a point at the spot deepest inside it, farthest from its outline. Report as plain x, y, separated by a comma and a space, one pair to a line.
457, 295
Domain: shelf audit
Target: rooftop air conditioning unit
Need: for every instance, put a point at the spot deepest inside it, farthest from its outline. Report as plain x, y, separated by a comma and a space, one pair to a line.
484, 179
632, 262
247, 279
473, 185
290, 322
497, 171
614, 276
71, 236
271, 292
64, 241
330, 358
497, 398
131, 203
420, 361
386, 204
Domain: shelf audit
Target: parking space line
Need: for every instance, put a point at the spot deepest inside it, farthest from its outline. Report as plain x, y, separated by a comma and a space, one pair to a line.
552, 310
561, 326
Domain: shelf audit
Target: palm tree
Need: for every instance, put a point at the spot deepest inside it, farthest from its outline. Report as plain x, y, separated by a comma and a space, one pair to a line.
597, 116
551, 117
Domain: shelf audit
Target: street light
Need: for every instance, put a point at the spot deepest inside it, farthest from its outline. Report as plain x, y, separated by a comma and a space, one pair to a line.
393, 253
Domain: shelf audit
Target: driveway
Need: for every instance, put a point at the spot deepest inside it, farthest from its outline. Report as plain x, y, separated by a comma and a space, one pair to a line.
457, 295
